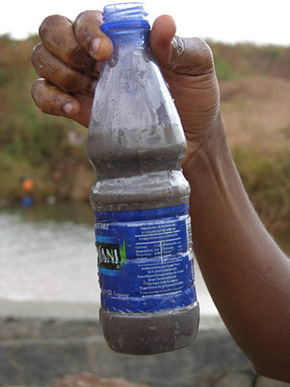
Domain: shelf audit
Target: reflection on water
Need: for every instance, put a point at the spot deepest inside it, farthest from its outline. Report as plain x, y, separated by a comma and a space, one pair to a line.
48, 254
66, 211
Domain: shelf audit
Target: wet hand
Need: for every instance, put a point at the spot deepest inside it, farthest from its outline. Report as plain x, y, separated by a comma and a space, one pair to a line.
69, 59
188, 67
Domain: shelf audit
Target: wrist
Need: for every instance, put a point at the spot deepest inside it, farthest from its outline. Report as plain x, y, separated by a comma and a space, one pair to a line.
216, 186
208, 151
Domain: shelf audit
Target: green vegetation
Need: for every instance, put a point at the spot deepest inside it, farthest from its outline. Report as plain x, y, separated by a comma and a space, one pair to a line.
245, 59
266, 175
31, 142
36, 145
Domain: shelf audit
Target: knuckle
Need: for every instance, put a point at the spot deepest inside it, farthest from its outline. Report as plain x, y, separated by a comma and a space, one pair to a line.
35, 53
56, 72
77, 57
49, 23
44, 97
204, 58
204, 49
36, 90
70, 82
40, 60
36, 47
87, 25
59, 38
191, 55
86, 17
74, 82
81, 16
46, 24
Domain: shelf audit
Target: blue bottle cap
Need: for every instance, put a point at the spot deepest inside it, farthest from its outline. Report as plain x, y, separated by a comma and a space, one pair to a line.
126, 16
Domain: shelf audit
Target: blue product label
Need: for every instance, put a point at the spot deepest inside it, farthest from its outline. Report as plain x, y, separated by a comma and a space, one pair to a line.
145, 259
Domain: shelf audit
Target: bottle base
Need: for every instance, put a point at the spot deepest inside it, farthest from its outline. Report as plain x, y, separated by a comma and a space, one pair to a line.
150, 333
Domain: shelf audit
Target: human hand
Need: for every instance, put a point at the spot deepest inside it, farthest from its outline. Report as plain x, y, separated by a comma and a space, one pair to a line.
69, 59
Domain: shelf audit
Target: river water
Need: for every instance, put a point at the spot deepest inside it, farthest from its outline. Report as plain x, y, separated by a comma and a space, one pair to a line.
47, 254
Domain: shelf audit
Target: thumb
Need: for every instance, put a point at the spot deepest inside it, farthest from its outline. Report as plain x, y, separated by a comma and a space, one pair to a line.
191, 56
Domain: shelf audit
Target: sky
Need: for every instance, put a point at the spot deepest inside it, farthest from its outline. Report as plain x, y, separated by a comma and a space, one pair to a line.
230, 21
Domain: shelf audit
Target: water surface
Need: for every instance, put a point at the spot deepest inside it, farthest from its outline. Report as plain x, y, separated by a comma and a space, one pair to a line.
48, 255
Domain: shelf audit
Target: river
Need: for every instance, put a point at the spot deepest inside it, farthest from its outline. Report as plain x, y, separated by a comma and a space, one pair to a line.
48, 255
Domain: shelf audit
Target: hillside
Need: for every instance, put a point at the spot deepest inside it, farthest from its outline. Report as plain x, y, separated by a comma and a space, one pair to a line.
255, 97
256, 112
257, 109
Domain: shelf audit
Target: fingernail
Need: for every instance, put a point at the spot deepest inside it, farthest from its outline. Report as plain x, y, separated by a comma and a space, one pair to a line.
96, 45
67, 108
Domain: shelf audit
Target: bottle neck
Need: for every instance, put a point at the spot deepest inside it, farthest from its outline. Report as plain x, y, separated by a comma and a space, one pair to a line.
126, 24
138, 39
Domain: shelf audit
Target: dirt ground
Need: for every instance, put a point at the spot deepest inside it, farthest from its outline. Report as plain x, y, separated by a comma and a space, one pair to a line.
257, 111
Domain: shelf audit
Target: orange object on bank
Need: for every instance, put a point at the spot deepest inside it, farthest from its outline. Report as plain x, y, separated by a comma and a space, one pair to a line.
27, 185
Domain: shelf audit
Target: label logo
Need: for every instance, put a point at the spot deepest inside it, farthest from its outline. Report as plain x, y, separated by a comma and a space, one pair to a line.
111, 255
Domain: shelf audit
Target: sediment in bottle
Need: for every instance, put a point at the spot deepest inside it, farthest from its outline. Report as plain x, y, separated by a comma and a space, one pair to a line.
150, 333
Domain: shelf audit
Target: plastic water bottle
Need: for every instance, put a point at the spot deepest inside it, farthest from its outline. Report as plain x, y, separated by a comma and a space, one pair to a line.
140, 199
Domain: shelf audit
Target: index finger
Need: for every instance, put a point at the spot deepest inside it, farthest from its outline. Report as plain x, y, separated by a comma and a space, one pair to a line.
57, 35
87, 28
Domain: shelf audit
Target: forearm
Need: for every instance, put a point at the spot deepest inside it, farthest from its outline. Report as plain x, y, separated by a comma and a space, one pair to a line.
246, 273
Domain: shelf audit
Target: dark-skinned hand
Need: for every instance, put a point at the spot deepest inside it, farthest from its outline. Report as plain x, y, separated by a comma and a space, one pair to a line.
69, 60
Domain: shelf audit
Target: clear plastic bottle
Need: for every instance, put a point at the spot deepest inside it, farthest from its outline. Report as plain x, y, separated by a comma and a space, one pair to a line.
140, 199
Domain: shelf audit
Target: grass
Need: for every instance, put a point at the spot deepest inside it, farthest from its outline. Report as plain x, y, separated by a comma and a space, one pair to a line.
266, 175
